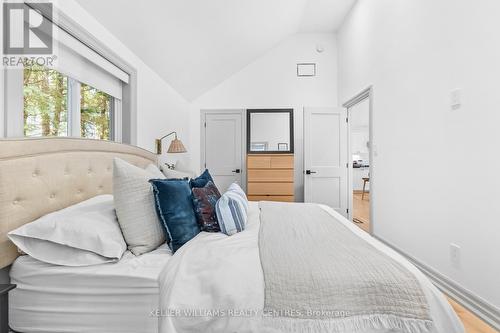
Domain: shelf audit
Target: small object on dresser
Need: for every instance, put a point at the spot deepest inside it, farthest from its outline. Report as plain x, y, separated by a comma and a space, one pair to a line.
4, 307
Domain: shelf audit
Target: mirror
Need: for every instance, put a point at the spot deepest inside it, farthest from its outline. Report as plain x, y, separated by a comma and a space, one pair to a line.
270, 131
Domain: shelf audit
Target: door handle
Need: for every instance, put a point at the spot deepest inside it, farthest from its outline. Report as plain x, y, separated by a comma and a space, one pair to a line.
308, 172
236, 171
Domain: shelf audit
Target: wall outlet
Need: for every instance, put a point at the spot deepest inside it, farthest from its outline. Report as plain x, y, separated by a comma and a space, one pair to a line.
455, 255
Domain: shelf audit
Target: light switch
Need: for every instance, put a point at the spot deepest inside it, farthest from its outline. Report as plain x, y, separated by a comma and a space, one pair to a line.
456, 99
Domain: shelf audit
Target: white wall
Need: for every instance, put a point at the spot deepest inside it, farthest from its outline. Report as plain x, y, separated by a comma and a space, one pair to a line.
271, 82
436, 174
160, 109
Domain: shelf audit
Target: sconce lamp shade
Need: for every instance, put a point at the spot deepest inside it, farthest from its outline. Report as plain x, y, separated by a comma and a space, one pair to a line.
176, 147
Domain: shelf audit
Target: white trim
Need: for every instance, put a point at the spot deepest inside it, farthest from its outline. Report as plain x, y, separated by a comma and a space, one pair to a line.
2, 87
117, 119
363, 95
242, 112
2, 100
478, 306
14, 103
74, 111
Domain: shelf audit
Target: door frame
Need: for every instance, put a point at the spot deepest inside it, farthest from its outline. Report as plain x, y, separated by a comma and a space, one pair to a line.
366, 94
203, 114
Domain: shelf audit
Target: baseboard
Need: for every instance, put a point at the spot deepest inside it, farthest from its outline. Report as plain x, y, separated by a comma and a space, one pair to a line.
487, 312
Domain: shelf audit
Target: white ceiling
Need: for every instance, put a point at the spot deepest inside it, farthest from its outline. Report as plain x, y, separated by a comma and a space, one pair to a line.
196, 44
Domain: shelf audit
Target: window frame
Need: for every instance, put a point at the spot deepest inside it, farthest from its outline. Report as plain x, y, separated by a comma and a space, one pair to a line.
14, 106
125, 120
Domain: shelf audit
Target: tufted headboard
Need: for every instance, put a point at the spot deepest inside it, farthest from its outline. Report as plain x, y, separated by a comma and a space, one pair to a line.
42, 175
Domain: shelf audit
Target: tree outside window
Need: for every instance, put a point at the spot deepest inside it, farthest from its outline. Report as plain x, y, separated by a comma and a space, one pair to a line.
47, 110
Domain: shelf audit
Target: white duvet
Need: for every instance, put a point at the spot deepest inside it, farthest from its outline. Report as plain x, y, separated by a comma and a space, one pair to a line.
215, 283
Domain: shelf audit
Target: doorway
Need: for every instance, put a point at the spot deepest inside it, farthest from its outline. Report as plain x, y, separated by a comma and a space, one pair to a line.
360, 154
222, 146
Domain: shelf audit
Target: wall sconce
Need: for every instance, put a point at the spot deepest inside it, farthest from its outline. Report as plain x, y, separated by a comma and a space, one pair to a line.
175, 147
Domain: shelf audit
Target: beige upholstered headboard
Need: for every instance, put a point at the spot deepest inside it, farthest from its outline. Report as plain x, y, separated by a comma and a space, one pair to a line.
42, 175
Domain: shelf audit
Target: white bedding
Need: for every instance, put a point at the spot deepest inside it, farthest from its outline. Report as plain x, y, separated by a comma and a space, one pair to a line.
215, 272
116, 296
214, 283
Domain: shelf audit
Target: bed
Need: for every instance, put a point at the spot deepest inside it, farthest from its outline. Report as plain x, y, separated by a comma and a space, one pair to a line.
119, 296
181, 293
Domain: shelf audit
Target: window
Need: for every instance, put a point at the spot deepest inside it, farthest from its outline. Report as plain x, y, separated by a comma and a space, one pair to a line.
79, 94
48, 110
96, 112
45, 103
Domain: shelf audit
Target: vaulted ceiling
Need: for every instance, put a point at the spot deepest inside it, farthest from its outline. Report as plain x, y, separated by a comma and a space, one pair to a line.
196, 44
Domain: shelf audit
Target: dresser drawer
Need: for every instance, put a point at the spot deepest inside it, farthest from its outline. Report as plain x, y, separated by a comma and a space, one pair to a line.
281, 198
270, 189
270, 162
270, 175
259, 162
282, 162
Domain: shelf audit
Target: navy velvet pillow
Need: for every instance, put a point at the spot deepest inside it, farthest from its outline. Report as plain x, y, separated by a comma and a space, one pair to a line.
204, 200
201, 180
175, 209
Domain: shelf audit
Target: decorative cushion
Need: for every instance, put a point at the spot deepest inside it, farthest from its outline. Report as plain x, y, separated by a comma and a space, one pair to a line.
231, 210
234, 187
201, 180
80, 235
174, 207
135, 208
204, 200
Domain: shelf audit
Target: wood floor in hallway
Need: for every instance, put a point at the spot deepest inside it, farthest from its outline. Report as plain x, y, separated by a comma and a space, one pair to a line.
361, 210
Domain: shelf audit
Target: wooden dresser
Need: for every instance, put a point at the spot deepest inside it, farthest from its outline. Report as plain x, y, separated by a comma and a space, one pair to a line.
270, 177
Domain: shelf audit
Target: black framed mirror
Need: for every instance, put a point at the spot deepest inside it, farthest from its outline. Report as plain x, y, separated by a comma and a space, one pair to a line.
270, 131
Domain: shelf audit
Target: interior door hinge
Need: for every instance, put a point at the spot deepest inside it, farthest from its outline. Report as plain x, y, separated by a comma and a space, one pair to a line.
347, 210
205, 124
347, 120
347, 165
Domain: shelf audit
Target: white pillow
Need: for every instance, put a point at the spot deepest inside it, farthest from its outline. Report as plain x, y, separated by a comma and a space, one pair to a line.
80, 235
135, 207
232, 210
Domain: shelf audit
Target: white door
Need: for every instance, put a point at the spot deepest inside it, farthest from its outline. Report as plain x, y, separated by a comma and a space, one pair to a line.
325, 157
223, 147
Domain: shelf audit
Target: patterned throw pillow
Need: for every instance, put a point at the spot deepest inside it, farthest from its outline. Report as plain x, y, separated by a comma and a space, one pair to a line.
204, 200
231, 210
201, 180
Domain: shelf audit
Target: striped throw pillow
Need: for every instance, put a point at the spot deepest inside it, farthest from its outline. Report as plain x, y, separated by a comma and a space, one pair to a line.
231, 210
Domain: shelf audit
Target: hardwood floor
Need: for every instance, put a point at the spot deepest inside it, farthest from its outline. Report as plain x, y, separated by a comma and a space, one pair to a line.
361, 210
471, 323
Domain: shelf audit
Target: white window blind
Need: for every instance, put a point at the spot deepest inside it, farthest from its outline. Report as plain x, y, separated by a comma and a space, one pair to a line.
80, 62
